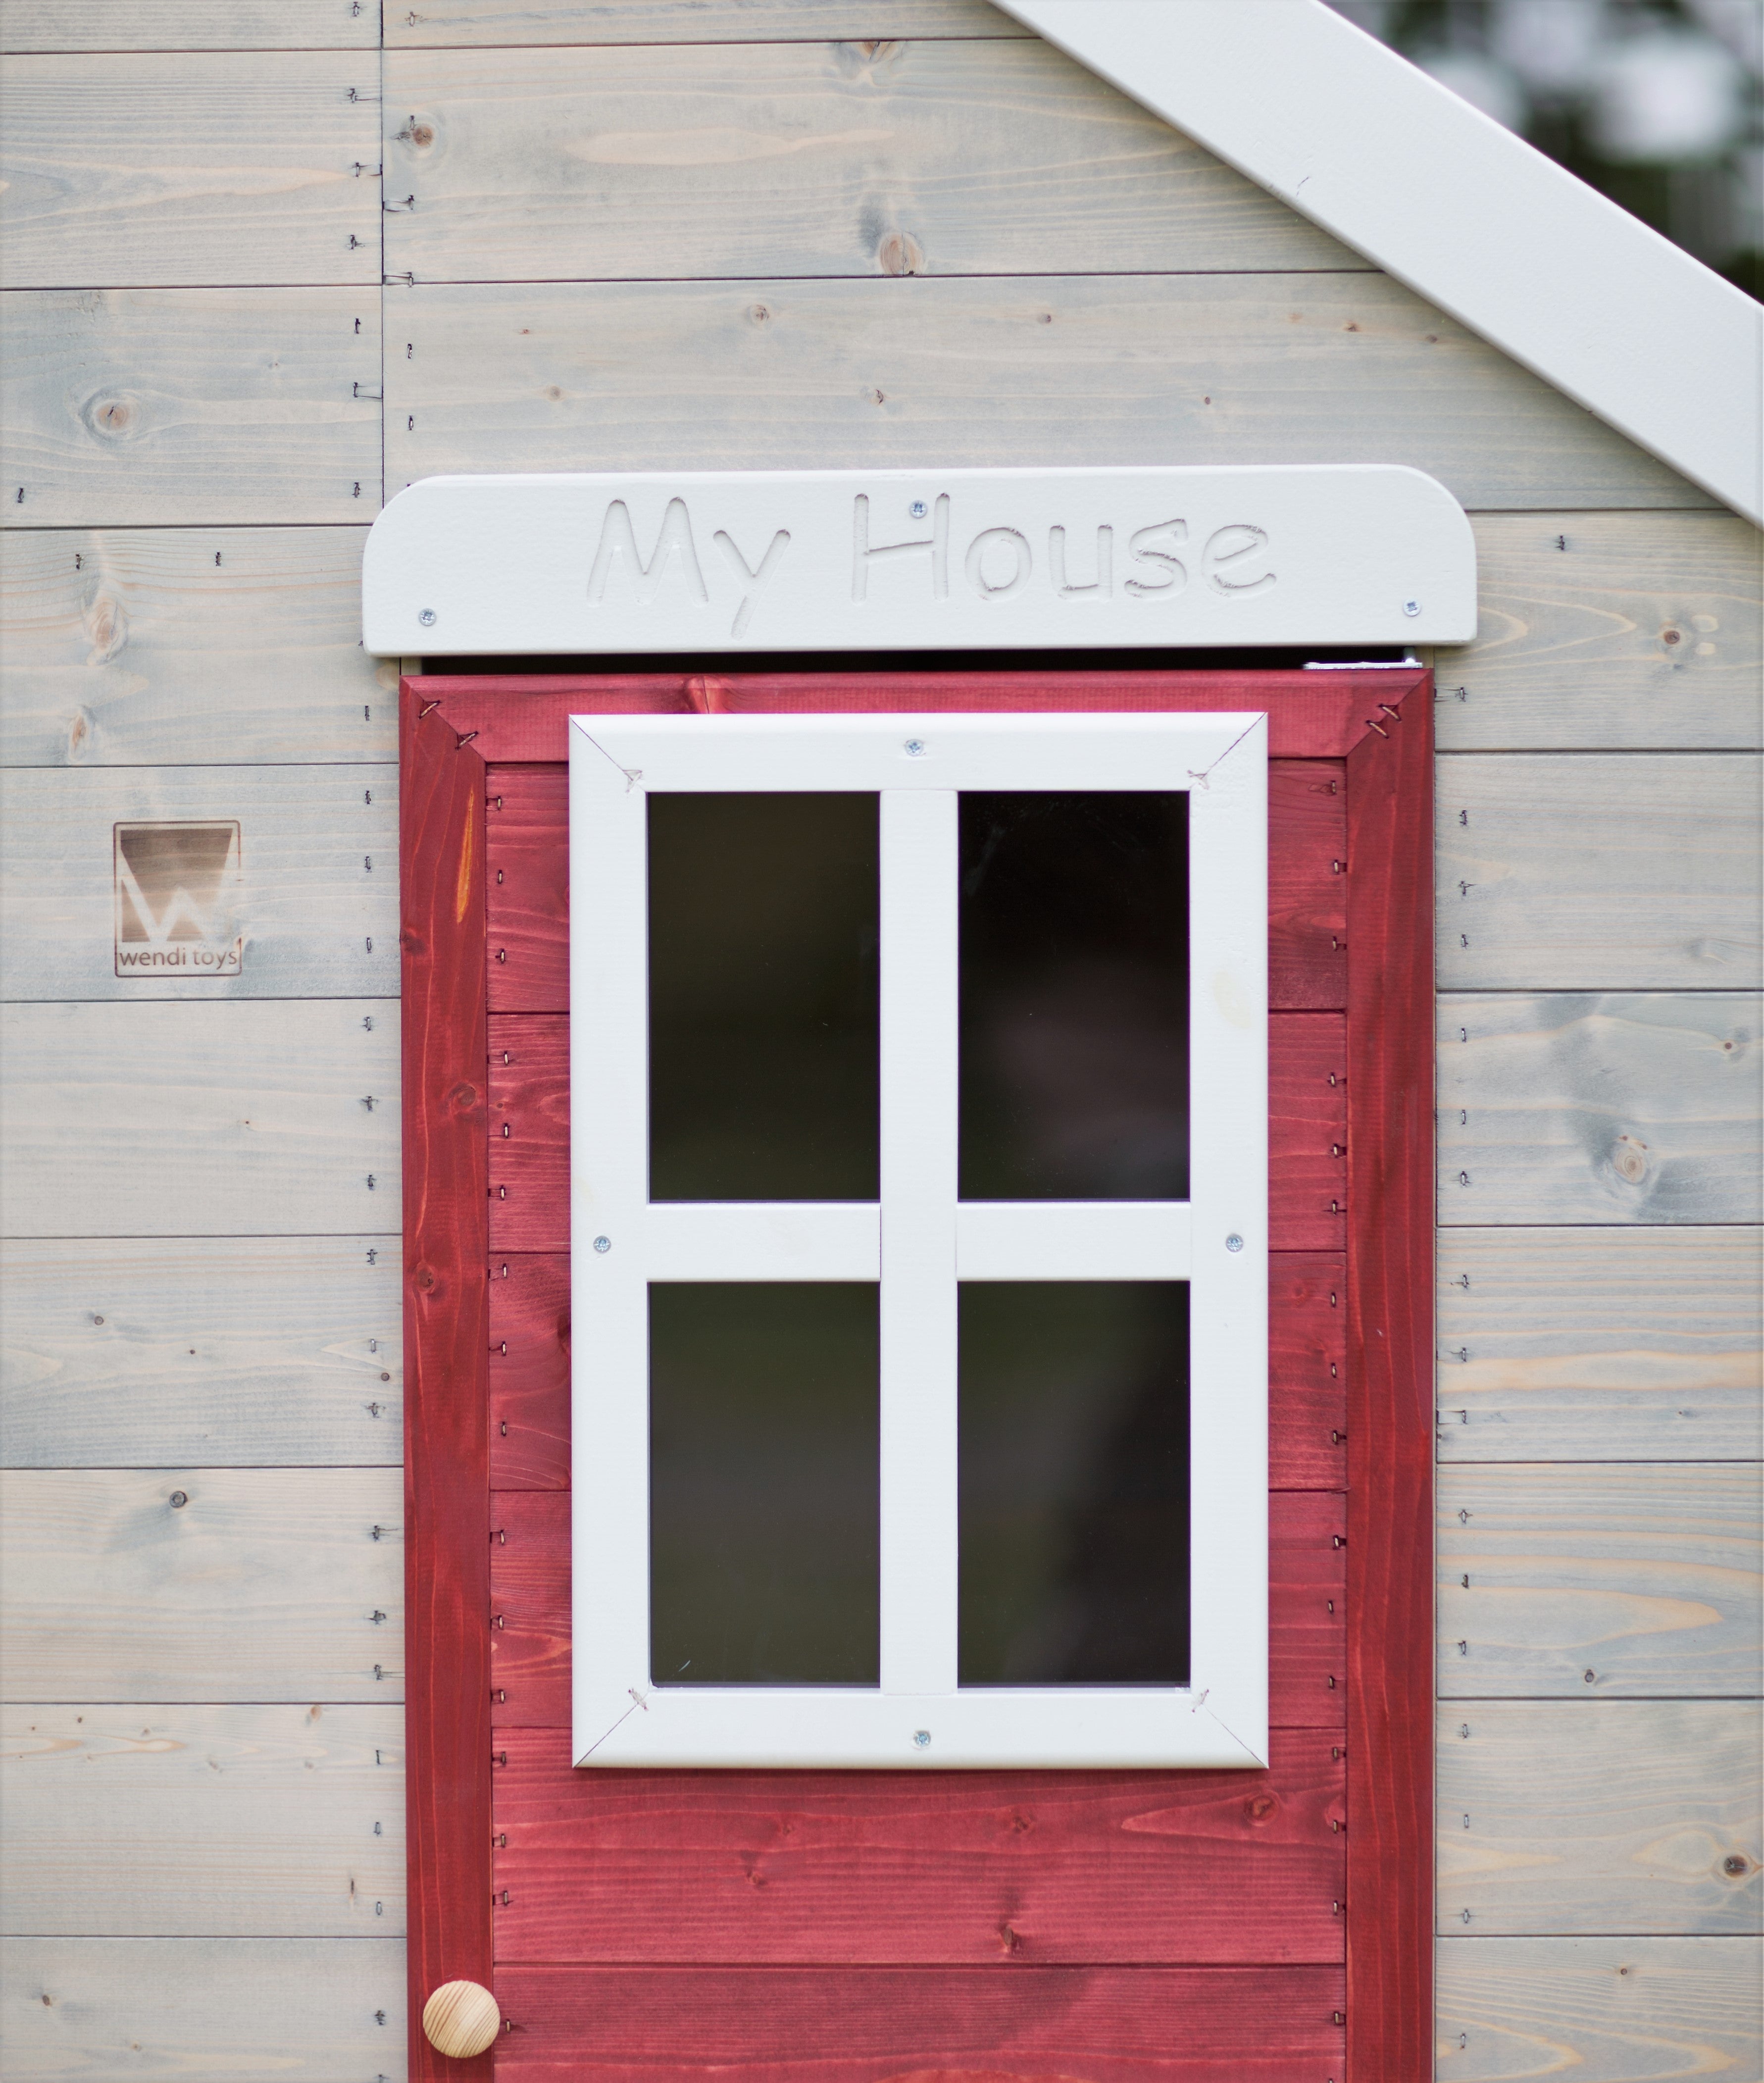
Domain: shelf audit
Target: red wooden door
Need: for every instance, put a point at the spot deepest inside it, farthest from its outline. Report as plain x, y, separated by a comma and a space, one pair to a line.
1114, 1926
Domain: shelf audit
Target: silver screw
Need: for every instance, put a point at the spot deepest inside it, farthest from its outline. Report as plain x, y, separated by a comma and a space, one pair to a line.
427, 618
922, 1739
603, 1244
1233, 1242
915, 748
917, 509
1412, 607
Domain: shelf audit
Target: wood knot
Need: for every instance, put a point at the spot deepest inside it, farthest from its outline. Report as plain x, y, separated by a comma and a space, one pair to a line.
422, 135
1261, 1808
868, 54
106, 629
1629, 1158
424, 1279
1672, 636
900, 253
554, 392
1009, 1940
1735, 1864
113, 417
464, 1097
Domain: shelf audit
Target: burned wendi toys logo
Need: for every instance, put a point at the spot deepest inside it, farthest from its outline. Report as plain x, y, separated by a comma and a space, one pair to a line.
178, 899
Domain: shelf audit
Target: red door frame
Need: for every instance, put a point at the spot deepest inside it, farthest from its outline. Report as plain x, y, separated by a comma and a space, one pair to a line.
1380, 722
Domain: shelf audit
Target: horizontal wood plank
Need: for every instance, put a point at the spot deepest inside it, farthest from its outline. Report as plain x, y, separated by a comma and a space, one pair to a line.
262, 1584
134, 647
1602, 1817
961, 1868
1603, 1581
455, 22
1598, 871
798, 159
1170, 2025
1618, 631
942, 372
1605, 2010
206, 1353
163, 1120
188, 25
1573, 1107
529, 1372
186, 2011
223, 1822
208, 168
165, 406
315, 903
1600, 1345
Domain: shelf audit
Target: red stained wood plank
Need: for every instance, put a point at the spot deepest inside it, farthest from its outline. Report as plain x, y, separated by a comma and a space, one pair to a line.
527, 899
529, 1637
1391, 1404
951, 1869
530, 1131
529, 1372
1106, 2025
446, 1471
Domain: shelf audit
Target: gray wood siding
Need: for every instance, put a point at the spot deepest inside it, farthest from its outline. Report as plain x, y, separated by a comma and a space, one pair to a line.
203, 1288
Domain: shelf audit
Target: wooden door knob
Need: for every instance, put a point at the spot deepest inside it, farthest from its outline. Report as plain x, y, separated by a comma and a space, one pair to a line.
461, 2019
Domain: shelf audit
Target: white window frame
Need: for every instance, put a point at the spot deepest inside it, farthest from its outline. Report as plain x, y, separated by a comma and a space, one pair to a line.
918, 1240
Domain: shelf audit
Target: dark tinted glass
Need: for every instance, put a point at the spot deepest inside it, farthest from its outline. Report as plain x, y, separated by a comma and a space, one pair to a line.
1074, 1483
762, 998
1074, 997
764, 1475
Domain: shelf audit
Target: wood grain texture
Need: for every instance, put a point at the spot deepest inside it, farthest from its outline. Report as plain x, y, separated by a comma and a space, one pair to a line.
1589, 871
530, 1596
529, 1098
1132, 2025
1574, 1107
220, 1821
799, 159
1606, 2010
181, 646
1600, 1345
529, 1372
455, 22
446, 1449
161, 1120
264, 1584
209, 168
168, 407
1241, 368
188, 25
211, 1353
317, 894
1618, 631
1601, 1582
184, 2010
980, 1869
1600, 1817
1390, 1376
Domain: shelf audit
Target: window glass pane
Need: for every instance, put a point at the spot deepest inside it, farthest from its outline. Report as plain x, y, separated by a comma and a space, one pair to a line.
1074, 997
1074, 1483
764, 1476
763, 926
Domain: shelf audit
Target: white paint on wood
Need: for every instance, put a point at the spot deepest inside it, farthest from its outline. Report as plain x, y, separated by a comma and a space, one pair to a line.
1601, 1818
1447, 200
1600, 1345
189, 25
1623, 630
261, 1584
905, 157
223, 1821
207, 168
761, 1240
187, 2011
1074, 1240
237, 1119
134, 647
1591, 871
1583, 1107
189, 406
1604, 2010
1084, 371
1601, 1582
478, 22
210, 1353
825, 560
313, 902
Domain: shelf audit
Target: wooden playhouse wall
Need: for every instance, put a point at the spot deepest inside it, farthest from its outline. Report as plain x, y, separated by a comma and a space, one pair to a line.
641, 234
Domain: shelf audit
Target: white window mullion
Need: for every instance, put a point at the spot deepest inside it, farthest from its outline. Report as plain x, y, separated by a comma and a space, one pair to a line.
920, 874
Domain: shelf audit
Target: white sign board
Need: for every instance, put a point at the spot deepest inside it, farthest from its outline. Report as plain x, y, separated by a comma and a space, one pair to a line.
900, 560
